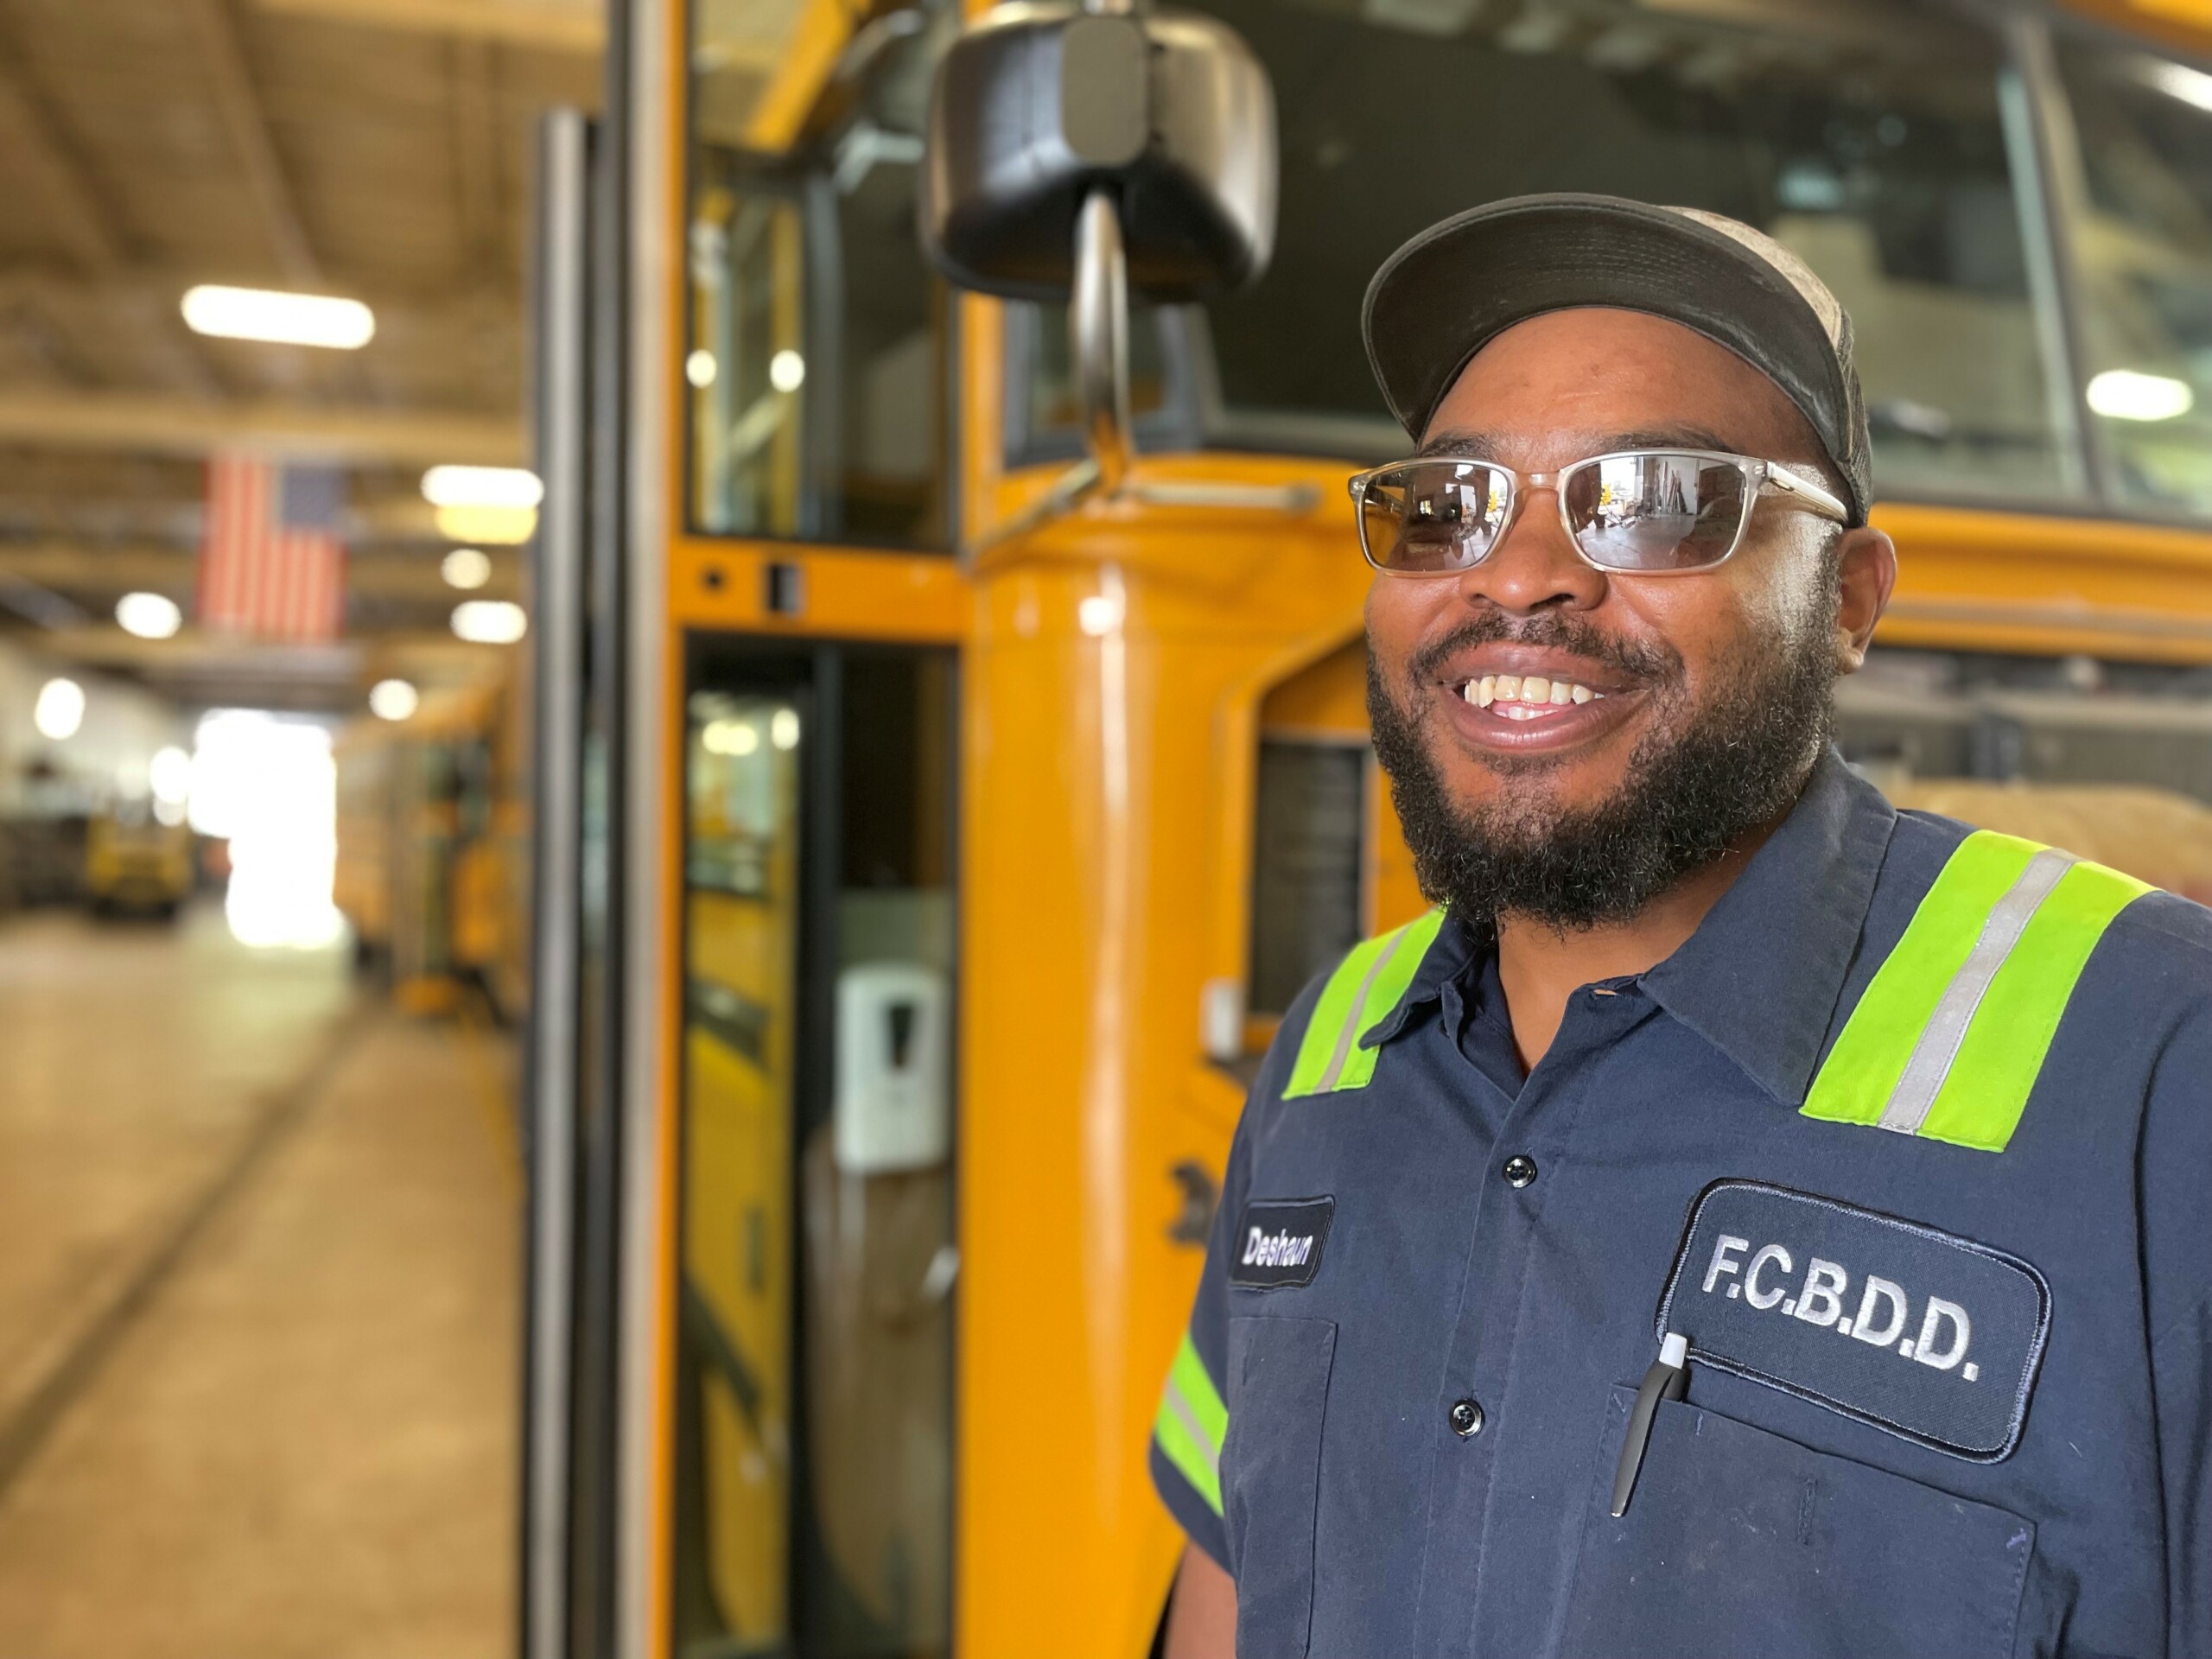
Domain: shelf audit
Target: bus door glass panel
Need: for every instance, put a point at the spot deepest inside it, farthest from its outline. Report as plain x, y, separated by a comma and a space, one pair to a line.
734, 1295
816, 354
2143, 246
813, 1416
1872, 139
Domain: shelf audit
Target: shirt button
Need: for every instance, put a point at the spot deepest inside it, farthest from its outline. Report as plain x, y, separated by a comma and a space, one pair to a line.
1467, 1418
1520, 1170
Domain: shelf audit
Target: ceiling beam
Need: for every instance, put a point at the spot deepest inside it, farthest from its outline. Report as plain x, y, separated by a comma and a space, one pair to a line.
251, 143
89, 516
104, 573
163, 286
179, 426
207, 671
475, 154
577, 26
31, 149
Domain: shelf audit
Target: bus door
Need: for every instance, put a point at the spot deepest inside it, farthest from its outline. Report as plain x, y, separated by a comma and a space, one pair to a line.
815, 1260
743, 1263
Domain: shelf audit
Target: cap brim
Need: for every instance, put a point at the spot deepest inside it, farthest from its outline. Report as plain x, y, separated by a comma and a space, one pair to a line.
1447, 293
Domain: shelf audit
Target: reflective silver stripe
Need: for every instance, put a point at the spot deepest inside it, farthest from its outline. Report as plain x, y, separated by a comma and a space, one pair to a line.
1923, 1075
1351, 1031
1176, 1404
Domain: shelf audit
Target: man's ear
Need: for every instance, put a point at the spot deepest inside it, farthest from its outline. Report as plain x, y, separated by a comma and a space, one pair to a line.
1867, 572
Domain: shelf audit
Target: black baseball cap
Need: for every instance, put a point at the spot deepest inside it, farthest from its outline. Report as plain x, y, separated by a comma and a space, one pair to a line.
1457, 286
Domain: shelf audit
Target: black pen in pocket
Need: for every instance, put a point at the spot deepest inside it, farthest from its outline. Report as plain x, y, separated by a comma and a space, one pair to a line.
1668, 1379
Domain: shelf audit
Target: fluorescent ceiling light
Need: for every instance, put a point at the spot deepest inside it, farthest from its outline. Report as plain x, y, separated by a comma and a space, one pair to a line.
731, 737
59, 710
466, 568
150, 616
2129, 395
482, 486
2178, 80
280, 319
393, 700
489, 621
500, 527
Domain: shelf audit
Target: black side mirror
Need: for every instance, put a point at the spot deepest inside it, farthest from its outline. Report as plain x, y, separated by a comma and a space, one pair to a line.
1077, 152
1038, 105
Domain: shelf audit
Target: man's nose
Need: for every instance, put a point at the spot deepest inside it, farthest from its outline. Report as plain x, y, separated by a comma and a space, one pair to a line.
1535, 566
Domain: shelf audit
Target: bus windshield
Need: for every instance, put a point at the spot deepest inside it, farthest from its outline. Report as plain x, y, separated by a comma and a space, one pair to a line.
2143, 246
1877, 142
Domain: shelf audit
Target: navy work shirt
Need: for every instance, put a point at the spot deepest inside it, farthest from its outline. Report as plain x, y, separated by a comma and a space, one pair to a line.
1427, 1303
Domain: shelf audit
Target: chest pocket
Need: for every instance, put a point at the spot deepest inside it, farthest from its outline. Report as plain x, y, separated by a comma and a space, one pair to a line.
1740, 1542
1271, 1469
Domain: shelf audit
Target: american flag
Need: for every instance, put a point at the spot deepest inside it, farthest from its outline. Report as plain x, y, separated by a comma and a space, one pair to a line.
270, 565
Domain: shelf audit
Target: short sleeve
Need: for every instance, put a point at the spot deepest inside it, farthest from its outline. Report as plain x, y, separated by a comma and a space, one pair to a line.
2175, 1168
1193, 1416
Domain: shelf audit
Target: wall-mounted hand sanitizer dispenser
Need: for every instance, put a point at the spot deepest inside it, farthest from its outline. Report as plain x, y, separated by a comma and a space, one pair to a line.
894, 1108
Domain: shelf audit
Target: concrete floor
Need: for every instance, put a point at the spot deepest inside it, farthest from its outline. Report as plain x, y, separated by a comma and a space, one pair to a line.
258, 1308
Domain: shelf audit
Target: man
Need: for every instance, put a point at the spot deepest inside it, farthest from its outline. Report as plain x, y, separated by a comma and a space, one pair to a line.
1745, 1219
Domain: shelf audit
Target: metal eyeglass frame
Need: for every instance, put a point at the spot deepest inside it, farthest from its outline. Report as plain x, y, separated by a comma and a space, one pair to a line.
1758, 476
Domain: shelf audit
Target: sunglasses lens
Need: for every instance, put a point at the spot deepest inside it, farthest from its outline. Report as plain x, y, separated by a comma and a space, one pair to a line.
1656, 511
1431, 516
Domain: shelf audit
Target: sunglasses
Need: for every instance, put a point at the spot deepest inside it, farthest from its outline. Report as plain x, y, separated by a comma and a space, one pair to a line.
1647, 513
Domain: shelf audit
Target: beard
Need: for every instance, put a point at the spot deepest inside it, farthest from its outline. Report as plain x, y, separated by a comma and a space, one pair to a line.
1706, 773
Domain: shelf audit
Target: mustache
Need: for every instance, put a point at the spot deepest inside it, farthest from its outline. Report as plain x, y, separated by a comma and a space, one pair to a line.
1552, 630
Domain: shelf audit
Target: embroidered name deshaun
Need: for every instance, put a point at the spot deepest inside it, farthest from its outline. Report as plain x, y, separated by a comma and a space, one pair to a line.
1276, 1250
1280, 1243
1933, 1337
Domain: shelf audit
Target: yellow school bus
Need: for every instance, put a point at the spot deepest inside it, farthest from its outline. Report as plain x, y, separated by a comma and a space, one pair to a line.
930, 835
431, 848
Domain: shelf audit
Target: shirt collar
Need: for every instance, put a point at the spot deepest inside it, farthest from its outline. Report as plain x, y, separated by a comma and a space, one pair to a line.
1450, 954
1761, 978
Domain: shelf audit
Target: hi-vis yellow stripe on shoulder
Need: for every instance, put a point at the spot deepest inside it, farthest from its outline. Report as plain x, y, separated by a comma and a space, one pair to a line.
1954, 1028
1359, 995
1192, 1422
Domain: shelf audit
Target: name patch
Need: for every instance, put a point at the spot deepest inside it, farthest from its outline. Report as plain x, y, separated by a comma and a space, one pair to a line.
1927, 1335
1278, 1244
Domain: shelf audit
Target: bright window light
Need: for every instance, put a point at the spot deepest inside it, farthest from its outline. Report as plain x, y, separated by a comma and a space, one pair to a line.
466, 568
59, 710
169, 775
482, 486
393, 700
281, 319
501, 526
787, 371
699, 369
269, 787
2127, 395
150, 616
489, 621
732, 737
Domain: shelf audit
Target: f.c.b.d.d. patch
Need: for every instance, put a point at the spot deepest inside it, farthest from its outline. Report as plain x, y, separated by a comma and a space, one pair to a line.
1930, 1336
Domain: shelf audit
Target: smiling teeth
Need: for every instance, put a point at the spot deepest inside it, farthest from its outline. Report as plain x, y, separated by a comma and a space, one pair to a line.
1518, 696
